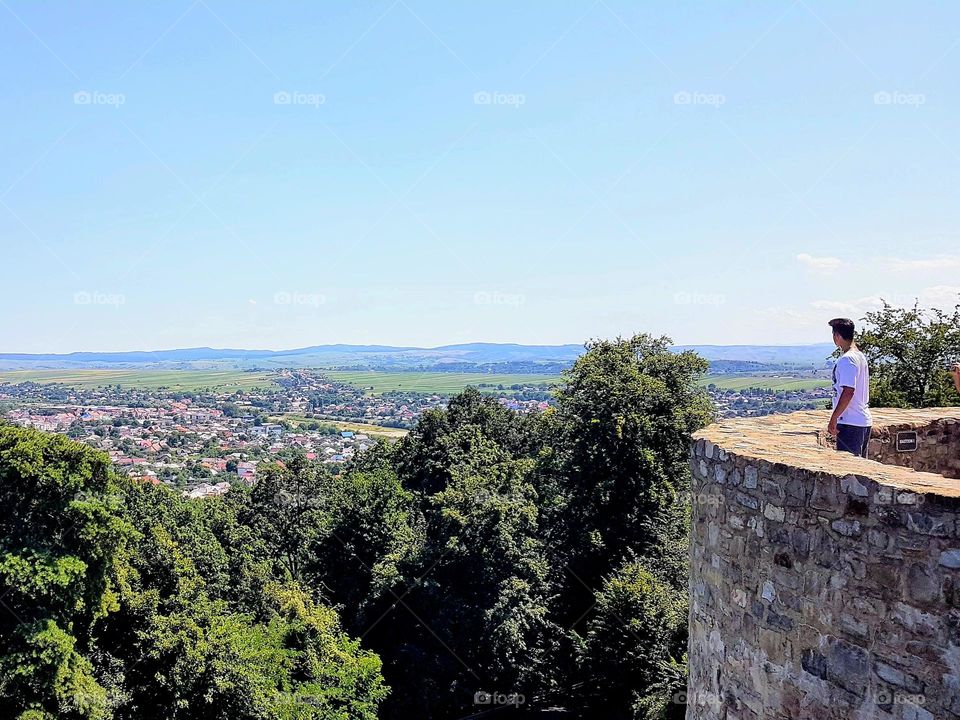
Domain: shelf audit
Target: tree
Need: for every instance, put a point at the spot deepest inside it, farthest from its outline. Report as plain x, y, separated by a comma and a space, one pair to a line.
911, 351
620, 451
286, 513
633, 642
61, 535
612, 483
371, 532
444, 439
467, 608
209, 627
123, 601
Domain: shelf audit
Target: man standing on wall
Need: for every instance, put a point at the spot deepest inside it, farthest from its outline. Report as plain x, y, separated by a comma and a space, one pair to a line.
851, 420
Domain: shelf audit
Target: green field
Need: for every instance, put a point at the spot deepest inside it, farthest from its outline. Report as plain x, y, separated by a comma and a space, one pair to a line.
357, 427
432, 382
187, 380
767, 382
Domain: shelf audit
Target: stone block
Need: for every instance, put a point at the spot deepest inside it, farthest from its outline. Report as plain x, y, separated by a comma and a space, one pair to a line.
825, 495
897, 677
927, 524
921, 584
950, 558
855, 626
795, 491
847, 666
852, 485
850, 528
772, 512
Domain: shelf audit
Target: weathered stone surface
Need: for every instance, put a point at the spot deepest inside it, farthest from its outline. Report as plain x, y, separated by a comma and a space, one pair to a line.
851, 484
772, 512
850, 528
825, 585
922, 586
950, 558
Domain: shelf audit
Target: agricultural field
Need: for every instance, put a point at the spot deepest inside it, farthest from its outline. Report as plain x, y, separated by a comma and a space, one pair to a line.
766, 382
387, 432
375, 383
184, 380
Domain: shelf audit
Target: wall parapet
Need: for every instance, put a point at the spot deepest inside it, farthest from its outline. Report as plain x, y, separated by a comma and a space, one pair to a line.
822, 584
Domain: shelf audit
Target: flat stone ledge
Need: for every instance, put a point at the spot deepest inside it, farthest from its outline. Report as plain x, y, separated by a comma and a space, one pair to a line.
800, 440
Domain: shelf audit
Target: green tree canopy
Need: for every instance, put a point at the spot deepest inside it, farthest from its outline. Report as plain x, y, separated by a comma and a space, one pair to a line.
911, 351
61, 534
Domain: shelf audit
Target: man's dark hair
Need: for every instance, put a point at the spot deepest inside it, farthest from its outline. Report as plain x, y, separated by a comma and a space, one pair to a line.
843, 327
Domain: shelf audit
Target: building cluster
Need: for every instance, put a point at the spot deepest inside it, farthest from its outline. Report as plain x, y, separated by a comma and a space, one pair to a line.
201, 442
199, 449
750, 402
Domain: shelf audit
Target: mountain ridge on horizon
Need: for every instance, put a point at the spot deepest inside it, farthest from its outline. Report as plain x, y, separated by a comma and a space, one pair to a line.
480, 353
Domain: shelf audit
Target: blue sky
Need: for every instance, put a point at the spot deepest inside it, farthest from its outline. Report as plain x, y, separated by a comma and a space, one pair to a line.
286, 174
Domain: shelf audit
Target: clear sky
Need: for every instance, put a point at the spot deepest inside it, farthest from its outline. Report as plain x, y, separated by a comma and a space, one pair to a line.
273, 175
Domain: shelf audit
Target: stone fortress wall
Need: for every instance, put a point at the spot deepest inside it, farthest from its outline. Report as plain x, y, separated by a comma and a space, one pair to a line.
938, 445
823, 585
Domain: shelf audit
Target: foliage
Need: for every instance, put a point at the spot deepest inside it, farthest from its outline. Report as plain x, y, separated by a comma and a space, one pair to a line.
128, 601
541, 557
639, 627
60, 537
911, 351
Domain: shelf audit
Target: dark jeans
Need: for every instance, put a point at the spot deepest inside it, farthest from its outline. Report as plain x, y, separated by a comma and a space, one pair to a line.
853, 439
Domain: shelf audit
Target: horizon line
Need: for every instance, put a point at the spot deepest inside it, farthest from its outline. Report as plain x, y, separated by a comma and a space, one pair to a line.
388, 347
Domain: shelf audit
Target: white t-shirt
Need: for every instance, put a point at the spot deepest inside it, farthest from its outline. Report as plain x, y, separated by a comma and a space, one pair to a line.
851, 371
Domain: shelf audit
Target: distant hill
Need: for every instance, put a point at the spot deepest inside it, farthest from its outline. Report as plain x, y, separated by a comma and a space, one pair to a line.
316, 355
474, 355
802, 355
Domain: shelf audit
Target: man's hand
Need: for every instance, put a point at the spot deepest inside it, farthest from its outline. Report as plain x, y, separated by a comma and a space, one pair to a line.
832, 426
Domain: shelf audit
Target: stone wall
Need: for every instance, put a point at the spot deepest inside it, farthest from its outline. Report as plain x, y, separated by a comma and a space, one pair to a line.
822, 585
938, 446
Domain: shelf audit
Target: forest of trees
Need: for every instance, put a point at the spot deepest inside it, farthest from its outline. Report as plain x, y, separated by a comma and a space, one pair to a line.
489, 557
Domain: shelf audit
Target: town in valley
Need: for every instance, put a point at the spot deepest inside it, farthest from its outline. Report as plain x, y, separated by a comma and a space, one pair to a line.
203, 440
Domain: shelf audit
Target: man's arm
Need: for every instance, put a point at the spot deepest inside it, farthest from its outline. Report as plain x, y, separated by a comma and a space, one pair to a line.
956, 376
845, 397
847, 379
